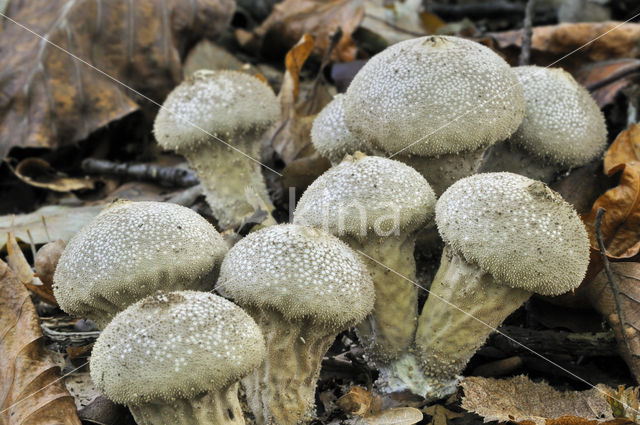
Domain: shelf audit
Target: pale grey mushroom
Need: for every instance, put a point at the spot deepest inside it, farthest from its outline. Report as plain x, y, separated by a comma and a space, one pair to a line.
563, 128
177, 357
376, 205
506, 237
131, 250
303, 287
436, 103
330, 135
216, 119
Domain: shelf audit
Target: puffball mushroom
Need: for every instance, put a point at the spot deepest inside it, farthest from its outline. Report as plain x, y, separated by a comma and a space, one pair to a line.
435, 103
233, 107
330, 135
131, 250
376, 205
563, 127
506, 237
177, 357
302, 286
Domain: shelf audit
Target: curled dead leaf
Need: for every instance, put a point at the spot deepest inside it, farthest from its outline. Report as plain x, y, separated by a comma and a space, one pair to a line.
620, 70
502, 400
360, 401
31, 392
37, 172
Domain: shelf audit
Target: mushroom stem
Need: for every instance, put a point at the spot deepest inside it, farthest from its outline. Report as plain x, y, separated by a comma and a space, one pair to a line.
504, 156
464, 305
444, 170
282, 390
209, 408
390, 328
225, 175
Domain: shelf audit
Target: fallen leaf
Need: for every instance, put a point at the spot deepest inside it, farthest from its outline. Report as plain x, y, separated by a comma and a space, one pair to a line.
360, 401
592, 74
621, 223
37, 172
439, 414
31, 392
62, 223
51, 99
596, 41
291, 19
393, 416
624, 402
208, 55
504, 400
627, 328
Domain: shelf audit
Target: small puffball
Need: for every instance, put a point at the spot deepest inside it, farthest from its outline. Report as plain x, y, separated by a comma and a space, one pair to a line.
175, 345
434, 95
516, 229
562, 123
301, 272
365, 195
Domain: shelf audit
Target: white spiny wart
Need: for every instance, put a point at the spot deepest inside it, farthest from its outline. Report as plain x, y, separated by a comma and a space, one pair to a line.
131, 250
173, 348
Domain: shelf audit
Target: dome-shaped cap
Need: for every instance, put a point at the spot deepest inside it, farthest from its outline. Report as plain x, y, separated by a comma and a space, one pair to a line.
223, 103
365, 194
516, 229
330, 135
299, 271
131, 250
175, 345
562, 123
448, 93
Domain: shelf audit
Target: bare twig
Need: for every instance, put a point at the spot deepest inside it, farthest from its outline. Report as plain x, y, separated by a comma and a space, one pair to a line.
170, 176
612, 281
527, 31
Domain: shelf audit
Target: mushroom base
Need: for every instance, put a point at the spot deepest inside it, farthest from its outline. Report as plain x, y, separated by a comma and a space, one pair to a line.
444, 170
282, 390
390, 328
232, 183
464, 306
504, 156
211, 408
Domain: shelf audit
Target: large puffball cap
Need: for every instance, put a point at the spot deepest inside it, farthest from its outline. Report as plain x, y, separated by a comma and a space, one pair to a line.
434, 95
301, 272
516, 229
131, 250
175, 345
367, 195
330, 135
225, 104
562, 123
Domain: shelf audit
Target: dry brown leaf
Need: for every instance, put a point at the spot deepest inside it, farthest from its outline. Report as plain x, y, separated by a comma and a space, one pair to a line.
627, 330
621, 223
550, 43
503, 400
439, 414
51, 99
291, 19
591, 74
360, 401
37, 172
31, 392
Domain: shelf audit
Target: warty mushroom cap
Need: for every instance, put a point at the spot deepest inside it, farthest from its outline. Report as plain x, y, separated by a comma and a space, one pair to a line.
362, 192
330, 135
299, 271
175, 345
222, 103
516, 229
132, 249
562, 122
450, 94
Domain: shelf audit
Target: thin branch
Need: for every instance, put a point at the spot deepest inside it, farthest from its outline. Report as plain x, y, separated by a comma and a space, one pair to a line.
527, 31
170, 176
